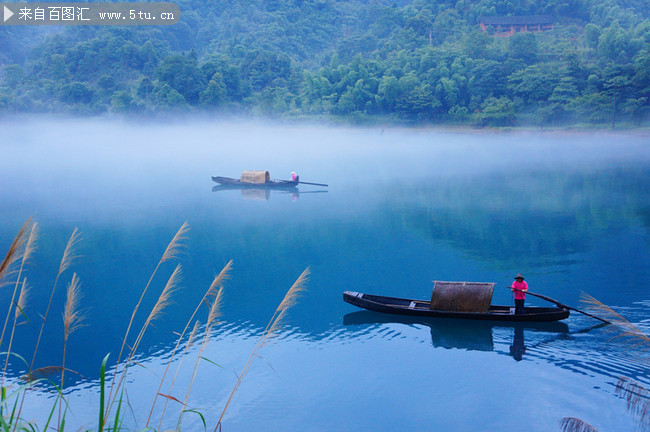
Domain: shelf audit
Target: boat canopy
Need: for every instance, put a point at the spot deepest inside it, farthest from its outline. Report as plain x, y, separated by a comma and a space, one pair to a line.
462, 296
256, 177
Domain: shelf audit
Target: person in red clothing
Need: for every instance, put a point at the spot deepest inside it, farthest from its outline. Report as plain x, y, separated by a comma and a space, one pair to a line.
520, 297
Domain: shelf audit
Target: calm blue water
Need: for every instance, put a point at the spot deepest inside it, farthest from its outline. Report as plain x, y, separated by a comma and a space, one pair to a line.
403, 208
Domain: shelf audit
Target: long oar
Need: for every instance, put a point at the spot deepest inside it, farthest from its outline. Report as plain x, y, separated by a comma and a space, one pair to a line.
562, 305
301, 182
313, 184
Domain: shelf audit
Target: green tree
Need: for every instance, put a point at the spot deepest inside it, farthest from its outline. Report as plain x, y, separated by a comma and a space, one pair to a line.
76, 93
497, 112
215, 94
123, 102
13, 75
181, 73
523, 46
533, 84
168, 98
612, 42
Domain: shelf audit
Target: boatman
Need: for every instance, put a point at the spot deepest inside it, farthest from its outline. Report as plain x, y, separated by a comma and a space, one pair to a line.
520, 297
294, 177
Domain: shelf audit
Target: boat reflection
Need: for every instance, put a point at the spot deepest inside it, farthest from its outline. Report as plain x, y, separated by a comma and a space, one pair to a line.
263, 193
465, 334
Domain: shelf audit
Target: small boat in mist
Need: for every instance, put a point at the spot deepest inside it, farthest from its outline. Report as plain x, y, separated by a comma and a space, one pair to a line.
259, 179
460, 300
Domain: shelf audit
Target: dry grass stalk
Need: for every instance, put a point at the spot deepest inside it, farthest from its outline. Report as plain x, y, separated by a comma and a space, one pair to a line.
214, 312
217, 282
289, 300
213, 315
190, 341
20, 306
69, 254
170, 252
188, 345
164, 300
572, 424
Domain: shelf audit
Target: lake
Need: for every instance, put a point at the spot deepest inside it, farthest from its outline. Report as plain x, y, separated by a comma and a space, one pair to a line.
404, 207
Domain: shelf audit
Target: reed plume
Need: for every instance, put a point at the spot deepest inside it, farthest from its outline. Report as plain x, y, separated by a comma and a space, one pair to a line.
572, 424
69, 255
217, 282
30, 245
170, 252
635, 394
164, 300
288, 301
72, 316
22, 300
13, 255
72, 321
629, 333
174, 247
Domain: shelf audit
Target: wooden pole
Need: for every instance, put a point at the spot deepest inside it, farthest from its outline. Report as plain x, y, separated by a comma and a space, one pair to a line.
562, 305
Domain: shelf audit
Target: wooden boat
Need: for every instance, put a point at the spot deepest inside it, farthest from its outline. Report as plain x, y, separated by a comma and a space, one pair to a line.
421, 308
225, 183
256, 180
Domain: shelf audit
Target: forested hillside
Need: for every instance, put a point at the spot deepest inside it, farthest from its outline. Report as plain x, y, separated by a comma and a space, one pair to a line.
410, 61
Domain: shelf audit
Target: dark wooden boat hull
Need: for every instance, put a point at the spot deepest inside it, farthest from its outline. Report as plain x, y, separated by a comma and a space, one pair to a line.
400, 306
238, 184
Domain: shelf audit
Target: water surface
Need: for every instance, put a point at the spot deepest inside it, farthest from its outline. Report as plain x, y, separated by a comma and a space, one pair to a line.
403, 208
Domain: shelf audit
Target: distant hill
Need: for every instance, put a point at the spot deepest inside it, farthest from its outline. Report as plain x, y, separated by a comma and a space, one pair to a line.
403, 61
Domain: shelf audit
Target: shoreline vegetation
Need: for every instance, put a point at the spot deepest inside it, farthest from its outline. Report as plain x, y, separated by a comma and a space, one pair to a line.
349, 62
113, 403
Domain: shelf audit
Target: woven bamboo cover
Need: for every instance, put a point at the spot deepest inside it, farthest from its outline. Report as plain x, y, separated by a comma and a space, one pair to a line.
462, 296
255, 177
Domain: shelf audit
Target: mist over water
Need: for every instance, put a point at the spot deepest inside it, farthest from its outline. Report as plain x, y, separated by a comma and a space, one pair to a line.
404, 207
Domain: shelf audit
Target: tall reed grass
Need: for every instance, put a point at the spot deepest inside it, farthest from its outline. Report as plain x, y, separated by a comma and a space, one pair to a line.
631, 337
112, 391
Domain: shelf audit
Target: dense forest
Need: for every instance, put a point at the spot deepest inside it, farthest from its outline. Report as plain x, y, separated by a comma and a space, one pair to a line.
408, 61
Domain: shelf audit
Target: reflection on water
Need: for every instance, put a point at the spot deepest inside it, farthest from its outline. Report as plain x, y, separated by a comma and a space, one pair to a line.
518, 347
264, 194
469, 335
403, 208
526, 218
552, 342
